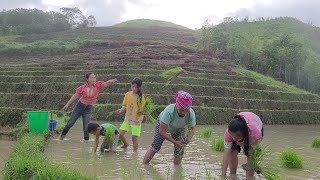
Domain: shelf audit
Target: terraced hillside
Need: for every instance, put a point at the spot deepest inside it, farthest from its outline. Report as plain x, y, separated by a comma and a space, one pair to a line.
42, 81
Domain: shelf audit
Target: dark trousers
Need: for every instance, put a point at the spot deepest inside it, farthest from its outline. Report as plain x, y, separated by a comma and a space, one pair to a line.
79, 110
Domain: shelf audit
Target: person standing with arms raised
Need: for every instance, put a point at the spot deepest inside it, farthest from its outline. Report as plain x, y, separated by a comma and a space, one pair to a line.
88, 94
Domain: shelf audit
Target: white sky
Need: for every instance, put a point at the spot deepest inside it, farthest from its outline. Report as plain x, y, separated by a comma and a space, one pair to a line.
189, 13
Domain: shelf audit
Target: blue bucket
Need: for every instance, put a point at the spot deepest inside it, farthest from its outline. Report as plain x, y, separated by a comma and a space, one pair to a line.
53, 124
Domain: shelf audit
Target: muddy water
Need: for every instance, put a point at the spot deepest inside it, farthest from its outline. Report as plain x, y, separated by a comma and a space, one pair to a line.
199, 161
5, 148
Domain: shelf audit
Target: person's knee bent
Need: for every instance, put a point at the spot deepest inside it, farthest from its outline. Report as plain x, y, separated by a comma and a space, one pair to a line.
148, 156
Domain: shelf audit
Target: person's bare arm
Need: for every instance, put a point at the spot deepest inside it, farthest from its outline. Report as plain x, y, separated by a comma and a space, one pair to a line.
121, 110
191, 133
74, 97
96, 142
225, 161
109, 82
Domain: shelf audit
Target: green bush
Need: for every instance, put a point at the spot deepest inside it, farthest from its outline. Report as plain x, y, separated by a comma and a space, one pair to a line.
291, 159
204, 132
316, 142
217, 143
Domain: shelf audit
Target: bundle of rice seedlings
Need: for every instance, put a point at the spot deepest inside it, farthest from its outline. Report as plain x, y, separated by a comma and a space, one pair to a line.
257, 162
148, 110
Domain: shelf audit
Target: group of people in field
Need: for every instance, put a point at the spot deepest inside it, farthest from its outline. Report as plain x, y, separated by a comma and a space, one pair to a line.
176, 123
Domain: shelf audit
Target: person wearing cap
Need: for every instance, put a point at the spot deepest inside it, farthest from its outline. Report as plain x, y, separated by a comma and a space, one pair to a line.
176, 124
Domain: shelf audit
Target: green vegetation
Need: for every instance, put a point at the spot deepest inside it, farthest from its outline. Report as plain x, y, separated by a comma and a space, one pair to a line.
148, 110
217, 143
284, 48
204, 132
9, 45
28, 21
19, 127
27, 161
170, 73
291, 159
316, 142
258, 163
147, 23
269, 81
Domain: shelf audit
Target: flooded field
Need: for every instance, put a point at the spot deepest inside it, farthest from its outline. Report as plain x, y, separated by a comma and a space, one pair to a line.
199, 162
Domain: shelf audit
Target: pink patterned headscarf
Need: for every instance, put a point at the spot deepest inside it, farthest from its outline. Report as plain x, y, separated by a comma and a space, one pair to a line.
183, 99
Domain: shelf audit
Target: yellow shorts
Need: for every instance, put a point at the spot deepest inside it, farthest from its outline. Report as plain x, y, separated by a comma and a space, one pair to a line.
135, 129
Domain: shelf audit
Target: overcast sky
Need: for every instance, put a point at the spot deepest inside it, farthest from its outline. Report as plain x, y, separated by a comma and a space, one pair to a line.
189, 13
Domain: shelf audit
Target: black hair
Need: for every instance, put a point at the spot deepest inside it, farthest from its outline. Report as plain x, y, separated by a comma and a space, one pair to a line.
92, 127
238, 123
138, 82
87, 75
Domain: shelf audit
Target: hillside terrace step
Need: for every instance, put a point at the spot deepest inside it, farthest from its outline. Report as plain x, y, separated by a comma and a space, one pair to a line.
164, 89
56, 100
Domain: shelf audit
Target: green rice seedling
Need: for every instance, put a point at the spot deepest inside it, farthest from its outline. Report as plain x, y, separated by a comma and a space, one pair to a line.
217, 144
316, 142
258, 164
271, 173
291, 159
208, 174
204, 133
27, 161
171, 72
148, 110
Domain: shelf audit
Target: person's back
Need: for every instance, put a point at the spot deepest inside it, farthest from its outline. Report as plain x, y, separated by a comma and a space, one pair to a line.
108, 131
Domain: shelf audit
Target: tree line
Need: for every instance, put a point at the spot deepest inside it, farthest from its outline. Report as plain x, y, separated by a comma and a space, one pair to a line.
284, 48
27, 21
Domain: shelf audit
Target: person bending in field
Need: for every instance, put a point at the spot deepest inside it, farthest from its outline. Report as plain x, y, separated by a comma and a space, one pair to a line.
244, 131
110, 134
